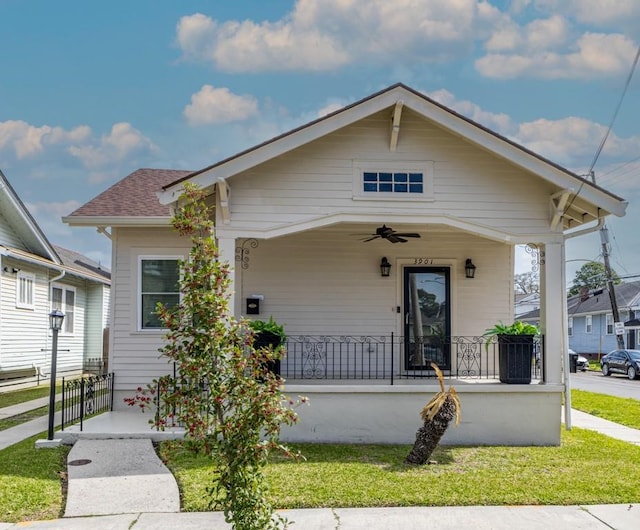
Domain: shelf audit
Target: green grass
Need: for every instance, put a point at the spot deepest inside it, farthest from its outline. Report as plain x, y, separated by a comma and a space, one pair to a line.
625, 411
31, 486
13, 397
588, 468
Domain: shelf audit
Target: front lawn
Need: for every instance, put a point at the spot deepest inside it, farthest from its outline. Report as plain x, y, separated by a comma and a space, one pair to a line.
625, 411
588, 468
30, 484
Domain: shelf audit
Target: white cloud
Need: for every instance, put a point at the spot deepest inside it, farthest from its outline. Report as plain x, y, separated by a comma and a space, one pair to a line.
27, 140
500, 123
219, 105
121, 143
320, 35
571, 139
48, 215
594, 55
539, 35
596, 12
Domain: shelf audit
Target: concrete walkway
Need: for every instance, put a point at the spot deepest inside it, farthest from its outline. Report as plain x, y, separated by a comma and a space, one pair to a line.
25, 430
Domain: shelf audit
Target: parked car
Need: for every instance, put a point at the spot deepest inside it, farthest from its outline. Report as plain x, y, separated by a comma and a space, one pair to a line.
621, 362
583, 362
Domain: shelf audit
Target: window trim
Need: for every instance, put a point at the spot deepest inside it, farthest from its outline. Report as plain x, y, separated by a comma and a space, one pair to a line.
570, 327
141, 258
609, 324
588, 324
65, 324
360, 167
27, 277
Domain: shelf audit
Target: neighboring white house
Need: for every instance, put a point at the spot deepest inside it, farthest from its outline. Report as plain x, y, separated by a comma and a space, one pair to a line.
36, 277
306, 219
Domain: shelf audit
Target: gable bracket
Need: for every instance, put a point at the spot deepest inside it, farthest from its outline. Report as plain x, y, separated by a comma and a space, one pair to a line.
395, 125
558, 203
223, 192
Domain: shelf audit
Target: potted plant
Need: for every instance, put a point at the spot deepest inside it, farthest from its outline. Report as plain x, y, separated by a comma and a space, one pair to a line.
269, 334
515, 350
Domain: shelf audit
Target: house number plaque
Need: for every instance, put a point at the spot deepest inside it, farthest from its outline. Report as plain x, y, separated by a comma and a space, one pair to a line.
423, 261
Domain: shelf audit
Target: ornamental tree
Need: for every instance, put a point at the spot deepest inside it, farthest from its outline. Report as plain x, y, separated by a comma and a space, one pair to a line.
231, 406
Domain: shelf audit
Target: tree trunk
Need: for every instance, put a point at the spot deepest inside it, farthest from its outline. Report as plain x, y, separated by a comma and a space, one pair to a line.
429, 435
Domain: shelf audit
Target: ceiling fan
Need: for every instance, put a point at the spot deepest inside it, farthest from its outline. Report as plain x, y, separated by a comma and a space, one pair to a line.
388, 233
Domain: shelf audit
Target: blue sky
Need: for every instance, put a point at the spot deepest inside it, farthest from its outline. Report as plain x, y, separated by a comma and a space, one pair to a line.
90, 91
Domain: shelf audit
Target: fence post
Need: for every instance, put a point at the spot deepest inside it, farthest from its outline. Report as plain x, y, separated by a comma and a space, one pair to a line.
393, 354
81, 402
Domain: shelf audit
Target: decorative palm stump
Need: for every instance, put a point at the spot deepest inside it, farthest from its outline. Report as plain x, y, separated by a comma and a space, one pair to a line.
437, 415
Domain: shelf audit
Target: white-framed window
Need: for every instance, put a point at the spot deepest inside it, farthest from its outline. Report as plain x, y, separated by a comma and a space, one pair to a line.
25, 290
588, 324
158, 282
570, 327
63, 297
384, 180
609, 324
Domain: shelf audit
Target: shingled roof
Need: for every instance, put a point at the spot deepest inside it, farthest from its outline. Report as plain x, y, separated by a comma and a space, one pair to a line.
133, 196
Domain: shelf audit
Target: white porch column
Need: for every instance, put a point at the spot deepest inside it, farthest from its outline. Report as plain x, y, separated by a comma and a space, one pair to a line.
553, 318
227, 252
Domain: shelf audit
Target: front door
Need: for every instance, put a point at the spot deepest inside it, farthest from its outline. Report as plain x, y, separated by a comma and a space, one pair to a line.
427, 318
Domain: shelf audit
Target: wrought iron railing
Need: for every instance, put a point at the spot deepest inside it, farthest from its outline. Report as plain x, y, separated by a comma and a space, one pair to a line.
391, 357
86, 397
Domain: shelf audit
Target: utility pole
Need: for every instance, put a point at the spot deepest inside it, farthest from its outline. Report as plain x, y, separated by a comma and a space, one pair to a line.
604, 239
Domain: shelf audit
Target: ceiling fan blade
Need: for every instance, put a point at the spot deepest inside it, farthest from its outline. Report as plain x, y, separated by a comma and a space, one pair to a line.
406, 234
395, 239
366, 239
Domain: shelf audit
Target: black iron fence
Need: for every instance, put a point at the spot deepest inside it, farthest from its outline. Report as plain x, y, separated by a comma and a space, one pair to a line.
86, 397
392, 357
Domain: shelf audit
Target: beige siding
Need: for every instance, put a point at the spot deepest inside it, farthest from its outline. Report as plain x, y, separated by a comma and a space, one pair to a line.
134, 355
317, 179
326, 282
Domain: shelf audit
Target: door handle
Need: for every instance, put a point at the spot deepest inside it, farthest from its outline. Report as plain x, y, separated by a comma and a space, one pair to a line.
406, 318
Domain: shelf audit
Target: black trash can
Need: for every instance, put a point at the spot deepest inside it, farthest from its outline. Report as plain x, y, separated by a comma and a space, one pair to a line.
573, 363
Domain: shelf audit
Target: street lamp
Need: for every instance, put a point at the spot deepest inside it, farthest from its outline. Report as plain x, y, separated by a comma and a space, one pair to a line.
56, 318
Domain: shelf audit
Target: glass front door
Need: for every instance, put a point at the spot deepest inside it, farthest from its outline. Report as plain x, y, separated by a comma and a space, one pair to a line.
427, 318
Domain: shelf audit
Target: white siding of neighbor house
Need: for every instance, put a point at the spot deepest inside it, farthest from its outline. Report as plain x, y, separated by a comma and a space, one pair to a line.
318, 180
97, 311
133, 354
8, 235
25, 338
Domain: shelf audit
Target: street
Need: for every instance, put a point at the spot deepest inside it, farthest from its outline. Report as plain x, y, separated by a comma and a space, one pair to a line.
614, 385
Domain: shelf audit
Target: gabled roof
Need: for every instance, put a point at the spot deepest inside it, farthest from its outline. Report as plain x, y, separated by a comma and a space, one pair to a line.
627, 297
581, 200
75, 261
23, 224
132, 200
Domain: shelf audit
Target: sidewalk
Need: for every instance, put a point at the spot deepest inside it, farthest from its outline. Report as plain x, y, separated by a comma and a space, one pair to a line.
16, 434
600, 517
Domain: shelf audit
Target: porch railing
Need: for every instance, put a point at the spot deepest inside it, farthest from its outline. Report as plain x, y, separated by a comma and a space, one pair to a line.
85, 397
391, 357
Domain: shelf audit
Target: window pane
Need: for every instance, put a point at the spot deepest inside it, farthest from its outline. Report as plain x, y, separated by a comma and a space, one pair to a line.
386, 186
370, 186
56, 298
370, 177
149, 303
400, 177
160, 276
385, 177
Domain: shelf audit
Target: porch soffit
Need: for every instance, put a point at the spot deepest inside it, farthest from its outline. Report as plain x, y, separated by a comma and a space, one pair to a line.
441, 223
395, 98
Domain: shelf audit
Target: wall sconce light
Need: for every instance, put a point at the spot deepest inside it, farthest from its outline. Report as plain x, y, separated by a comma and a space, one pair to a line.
12, 270
469, 269
385, 267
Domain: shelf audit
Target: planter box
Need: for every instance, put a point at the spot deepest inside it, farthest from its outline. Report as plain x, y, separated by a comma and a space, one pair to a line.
515, 358
266, 339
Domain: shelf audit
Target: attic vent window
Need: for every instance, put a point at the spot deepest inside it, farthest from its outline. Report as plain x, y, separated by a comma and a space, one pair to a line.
392, 182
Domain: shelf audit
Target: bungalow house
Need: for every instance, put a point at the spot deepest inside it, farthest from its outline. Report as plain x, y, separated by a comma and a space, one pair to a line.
382, 236
35, 278
590, 323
